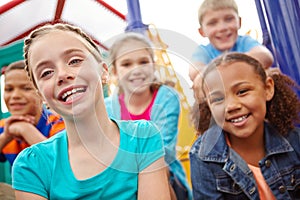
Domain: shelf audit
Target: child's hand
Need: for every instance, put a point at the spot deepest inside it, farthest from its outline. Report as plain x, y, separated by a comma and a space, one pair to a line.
18, 129
273, 70
16, 126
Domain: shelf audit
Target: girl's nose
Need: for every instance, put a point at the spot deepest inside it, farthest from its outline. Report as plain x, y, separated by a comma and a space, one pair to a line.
232, 104
136, 70
65, 75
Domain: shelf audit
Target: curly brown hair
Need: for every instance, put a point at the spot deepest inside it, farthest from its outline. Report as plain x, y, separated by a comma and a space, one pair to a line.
282, 110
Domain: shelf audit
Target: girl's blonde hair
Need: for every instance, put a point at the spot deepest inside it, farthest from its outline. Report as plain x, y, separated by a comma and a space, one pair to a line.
44, 30
127, 38
215, 5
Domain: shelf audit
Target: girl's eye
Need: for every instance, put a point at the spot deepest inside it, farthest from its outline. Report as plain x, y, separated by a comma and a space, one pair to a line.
75, 61
46, 73
126, 64
243, 91
144, 62
216, 100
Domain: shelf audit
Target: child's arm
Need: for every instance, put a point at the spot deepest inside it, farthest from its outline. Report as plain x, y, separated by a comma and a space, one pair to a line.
195, 69
4, 140
7, 136
203, 178
26, 131
27, 196
263, 55
165, 114
22, 127
153, 182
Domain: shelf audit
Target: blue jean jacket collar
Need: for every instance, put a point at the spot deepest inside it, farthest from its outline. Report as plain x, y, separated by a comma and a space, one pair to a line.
215, 148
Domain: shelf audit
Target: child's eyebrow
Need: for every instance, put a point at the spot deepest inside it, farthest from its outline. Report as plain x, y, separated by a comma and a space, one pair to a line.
41, 64
215, 93
240, 83
63, 54
69, 51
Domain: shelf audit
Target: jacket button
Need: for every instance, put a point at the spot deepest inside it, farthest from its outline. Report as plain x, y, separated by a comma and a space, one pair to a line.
236, 186
252, 190
293, 180
281, 189
268, 163
232, 167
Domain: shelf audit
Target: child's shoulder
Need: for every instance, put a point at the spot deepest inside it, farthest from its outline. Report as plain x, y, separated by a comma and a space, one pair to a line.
167, 91
294, 138
2, 121
45, 150
52, 143
212, 137
136, 127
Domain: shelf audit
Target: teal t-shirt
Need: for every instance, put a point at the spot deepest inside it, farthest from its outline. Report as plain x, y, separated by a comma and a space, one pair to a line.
44, 168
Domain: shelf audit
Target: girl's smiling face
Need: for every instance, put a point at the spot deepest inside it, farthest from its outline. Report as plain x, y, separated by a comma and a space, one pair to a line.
237, 98
134, 67
66, 72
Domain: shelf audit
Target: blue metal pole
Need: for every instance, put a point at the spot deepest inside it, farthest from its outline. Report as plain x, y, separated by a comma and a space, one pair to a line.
266, 36
134, 18
283, 18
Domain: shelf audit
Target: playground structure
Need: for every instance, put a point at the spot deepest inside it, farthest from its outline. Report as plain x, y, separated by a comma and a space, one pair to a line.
280, 35
11, 50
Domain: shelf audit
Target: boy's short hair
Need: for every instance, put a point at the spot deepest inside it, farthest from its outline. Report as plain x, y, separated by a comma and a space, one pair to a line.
215, 5
16, 65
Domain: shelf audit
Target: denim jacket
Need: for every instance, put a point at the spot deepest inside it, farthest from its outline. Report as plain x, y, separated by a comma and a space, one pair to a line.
218, 172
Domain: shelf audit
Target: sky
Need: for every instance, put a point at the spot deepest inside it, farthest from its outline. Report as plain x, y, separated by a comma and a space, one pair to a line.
181, 16
177, 24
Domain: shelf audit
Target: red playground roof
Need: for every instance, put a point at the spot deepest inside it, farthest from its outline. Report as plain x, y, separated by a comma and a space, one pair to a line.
96, 17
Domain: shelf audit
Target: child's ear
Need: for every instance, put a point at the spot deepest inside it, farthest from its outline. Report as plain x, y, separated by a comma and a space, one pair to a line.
39, 94
42, 98
105, 74
269, 88
240, 22
202, 33
104, 67
114, 70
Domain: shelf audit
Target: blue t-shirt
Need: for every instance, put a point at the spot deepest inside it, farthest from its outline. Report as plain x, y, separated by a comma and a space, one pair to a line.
206, 53
44, 168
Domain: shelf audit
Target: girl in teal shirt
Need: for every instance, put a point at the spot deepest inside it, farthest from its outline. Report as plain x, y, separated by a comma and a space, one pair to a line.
96, 157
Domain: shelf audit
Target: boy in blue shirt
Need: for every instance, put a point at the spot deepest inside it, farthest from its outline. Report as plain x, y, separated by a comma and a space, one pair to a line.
220, 22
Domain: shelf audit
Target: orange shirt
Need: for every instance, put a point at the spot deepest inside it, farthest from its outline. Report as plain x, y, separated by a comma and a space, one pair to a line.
49, 124
264, 190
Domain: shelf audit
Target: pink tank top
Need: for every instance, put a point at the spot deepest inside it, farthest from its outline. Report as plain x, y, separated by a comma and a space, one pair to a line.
126, 115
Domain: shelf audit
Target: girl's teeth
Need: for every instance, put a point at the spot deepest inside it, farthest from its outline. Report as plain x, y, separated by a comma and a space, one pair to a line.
239, 119
73, 91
